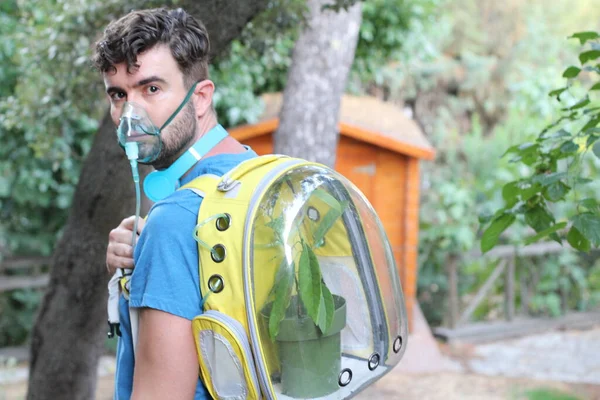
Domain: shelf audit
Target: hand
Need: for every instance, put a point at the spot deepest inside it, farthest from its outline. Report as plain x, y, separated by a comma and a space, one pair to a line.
119, 253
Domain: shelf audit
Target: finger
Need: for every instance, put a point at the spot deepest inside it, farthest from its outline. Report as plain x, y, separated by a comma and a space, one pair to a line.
120, 235
120, 250
113, 263
127, 223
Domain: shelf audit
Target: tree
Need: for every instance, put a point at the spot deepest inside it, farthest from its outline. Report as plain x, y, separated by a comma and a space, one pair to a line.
67, 338
557, 163
321, 60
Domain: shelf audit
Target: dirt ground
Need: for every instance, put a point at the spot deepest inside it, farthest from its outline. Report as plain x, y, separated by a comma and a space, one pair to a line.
551, 364
469, 387
396, 385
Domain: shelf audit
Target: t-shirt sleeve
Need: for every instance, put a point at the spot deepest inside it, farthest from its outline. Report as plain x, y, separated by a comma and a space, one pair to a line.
165, 276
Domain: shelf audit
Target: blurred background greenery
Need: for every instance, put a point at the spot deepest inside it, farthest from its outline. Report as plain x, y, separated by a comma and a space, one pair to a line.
474, 74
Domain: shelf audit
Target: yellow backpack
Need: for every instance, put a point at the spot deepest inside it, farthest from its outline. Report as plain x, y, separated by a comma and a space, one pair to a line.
301, 295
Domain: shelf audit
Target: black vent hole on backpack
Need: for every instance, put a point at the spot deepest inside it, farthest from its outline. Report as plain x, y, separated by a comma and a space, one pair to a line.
218, 253
223, 222
397, 344
345, 377
216, 283
374, 361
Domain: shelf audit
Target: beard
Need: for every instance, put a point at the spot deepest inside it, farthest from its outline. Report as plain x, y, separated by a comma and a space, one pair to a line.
178, 137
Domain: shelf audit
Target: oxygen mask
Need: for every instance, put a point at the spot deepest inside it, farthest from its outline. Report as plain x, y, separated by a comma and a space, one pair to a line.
136, 129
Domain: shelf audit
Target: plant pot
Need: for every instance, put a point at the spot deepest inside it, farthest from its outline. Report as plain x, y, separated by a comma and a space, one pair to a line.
310, 360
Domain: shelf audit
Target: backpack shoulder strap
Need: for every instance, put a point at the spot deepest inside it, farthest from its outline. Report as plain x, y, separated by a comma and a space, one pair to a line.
202, 185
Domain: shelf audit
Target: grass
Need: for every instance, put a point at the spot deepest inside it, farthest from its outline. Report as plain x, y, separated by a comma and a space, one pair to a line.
549, 394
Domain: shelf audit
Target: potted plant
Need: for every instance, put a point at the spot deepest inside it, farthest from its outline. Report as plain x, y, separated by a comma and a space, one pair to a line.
303, 317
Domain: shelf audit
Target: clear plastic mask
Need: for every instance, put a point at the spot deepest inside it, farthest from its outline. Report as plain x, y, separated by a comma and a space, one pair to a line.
135, 126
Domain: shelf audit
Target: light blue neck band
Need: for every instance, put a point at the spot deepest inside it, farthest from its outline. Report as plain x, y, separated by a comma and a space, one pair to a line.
160, 184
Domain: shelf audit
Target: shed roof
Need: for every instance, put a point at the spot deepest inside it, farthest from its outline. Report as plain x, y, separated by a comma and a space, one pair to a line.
364, 118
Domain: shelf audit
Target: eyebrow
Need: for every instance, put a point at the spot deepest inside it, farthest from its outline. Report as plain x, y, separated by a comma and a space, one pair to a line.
145, 81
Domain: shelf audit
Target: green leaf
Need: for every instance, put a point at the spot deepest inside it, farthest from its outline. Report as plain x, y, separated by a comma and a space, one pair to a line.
484, 218
557, 92
591, 140
592, 123
577, 240
528, 192
571, 72
309, 282
539, 218
326, 310
283, 294
588, 224
596, 149
545, 233
569, 147
510, 193
590, 204
328, 199
492, 233
560, 134
526, 153
556, 191
590, 110
588, 56
522, 149
548, 179
596, 86
582, 103
585, 36
511, 149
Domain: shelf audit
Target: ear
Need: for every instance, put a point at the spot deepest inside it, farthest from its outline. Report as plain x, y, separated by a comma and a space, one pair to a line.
203, 95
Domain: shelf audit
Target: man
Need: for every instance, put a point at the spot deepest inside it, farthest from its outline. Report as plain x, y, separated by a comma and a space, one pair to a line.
153, 58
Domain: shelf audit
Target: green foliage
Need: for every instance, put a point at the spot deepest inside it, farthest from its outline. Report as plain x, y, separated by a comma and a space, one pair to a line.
18, 309
50, 103
259, 60
554, 162
309, 282
50, 106
477, 87
381, 35
282, 292
256, 63
382, 40
303, 278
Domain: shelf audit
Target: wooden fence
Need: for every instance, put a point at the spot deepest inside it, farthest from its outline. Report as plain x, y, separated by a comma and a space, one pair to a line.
507, 255
34, 278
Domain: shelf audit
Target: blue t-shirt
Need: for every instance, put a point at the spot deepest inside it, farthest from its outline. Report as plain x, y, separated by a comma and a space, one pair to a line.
166, 265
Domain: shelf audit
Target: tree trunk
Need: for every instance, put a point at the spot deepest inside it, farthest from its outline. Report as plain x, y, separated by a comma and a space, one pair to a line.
68, 336
321, 60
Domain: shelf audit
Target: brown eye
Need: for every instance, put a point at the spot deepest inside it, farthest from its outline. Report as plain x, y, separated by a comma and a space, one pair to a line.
153, 89
116, 96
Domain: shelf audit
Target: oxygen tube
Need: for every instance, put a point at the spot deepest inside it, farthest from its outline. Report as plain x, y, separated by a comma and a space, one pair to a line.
121, 278
131, 149
157, 186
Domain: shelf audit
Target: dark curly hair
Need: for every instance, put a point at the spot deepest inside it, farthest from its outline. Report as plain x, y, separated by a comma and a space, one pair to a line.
126, 38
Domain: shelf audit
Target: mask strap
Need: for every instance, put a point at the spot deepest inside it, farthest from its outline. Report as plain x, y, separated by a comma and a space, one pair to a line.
160, 184
183, 103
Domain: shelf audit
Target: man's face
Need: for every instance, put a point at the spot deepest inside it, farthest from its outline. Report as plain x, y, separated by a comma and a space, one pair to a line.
157, 85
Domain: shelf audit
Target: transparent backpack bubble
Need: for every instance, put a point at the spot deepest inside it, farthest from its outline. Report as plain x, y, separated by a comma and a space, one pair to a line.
327, 303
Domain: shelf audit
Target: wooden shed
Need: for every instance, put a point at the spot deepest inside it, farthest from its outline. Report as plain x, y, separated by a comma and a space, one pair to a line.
379, 150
